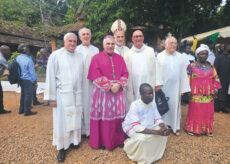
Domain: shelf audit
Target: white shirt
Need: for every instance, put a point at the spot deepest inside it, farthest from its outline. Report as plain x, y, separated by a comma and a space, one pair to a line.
140, 117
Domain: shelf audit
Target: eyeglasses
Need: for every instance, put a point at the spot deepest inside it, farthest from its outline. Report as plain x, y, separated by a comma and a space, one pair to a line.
138, 36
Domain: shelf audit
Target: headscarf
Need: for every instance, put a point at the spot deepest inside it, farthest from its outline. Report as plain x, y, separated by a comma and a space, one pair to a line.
202, 48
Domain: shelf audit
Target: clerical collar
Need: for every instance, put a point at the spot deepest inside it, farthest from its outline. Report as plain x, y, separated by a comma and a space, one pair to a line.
145, 105
170, 54
86, 46
118, 48
71, 53
137, 49
107, 54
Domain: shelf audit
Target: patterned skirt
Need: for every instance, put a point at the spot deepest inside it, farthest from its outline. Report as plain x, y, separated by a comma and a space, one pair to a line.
200, 115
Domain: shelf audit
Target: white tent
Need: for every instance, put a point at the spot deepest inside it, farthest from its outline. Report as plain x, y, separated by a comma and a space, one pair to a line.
8, 87
223, 33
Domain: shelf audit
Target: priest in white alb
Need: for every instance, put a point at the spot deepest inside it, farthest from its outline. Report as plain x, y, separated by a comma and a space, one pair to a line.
175, 82
64, 92
142, 67
145, 128
88, 51
118, 29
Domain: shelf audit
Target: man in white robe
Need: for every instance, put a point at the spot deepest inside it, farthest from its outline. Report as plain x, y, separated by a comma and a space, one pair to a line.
118, 29
175, 82
120, 48
64, 93
88, 51
142, 67
145, 127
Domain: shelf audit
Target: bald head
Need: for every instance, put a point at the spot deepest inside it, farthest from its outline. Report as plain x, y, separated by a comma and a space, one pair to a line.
138, 39
137, 32
5, 50
171, 45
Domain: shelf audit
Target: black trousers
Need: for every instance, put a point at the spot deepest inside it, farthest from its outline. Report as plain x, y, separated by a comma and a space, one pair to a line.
27, 90
1, 97
35, 99
221, 101
185, 98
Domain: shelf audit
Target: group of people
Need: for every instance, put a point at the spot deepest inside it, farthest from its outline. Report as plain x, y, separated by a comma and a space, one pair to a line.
109, 95
27, 76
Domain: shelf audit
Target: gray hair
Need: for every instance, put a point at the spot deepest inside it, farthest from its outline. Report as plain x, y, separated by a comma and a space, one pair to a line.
83, 28
69, 34
108, 37
167, 39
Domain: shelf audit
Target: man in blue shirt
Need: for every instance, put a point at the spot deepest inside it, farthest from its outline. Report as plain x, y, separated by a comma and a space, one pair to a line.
28, 79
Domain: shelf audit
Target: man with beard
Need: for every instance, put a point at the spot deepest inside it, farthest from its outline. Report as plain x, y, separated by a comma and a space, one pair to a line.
119, 28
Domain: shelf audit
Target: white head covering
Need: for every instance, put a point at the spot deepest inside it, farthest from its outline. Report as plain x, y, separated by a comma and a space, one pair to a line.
118, 25
202, 48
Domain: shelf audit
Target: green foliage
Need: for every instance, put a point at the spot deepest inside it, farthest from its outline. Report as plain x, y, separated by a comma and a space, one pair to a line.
34, 12
25, 11
224, 14
180, 17
14, 54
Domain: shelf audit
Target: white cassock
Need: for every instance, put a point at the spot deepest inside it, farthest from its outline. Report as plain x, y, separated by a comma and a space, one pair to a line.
88, 53
123, 51
175, 82
64, 85
143, 68
143, 148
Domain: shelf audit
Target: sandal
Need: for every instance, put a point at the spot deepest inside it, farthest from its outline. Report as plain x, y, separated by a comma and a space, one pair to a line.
210, 135
189, 133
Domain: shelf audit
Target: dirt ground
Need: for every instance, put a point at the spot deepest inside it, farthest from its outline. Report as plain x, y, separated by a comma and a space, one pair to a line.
29, 140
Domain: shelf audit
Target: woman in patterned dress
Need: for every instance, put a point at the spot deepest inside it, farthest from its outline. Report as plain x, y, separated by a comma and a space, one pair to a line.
204, 84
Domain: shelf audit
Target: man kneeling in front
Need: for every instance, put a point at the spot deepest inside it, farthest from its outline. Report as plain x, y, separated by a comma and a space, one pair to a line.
145, 128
